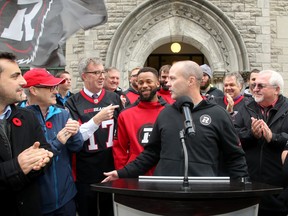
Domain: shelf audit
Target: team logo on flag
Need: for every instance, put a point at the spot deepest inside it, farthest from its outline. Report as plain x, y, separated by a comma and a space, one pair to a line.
22, 25
36, 30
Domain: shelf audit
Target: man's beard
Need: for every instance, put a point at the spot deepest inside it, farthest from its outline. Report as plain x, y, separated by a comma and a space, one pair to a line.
164, 86
135, 85
258, 99
206, 85
148, 99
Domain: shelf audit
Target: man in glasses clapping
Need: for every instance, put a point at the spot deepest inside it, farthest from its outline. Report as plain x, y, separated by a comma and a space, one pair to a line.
262, 126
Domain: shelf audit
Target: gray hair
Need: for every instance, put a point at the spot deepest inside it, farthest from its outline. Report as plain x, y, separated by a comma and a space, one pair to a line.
27, 92
58, 75
84, 62
276, 79
238, 77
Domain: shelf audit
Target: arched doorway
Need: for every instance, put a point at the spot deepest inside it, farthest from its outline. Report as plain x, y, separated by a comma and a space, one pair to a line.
195, 22
164, 55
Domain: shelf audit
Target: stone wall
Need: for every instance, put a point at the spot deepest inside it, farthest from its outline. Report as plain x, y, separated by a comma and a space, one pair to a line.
262, 25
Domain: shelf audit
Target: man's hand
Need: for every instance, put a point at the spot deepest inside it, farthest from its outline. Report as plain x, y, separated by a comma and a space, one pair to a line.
72, 126
70, 129
267, 133
105, 114
34, 158
123, 100
63, 135
111, 176
260, 129
230, 104
284, 155
256, 128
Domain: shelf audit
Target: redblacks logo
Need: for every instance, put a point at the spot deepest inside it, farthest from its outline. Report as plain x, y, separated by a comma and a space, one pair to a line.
143, 133
35, 30
21, 27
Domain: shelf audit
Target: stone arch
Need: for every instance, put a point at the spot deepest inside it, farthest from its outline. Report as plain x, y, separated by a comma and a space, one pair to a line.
195, 22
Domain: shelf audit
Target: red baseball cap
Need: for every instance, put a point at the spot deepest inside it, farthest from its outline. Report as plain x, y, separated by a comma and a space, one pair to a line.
41, 77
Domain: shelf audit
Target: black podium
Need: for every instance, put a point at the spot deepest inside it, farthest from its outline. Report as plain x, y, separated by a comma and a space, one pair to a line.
201, 198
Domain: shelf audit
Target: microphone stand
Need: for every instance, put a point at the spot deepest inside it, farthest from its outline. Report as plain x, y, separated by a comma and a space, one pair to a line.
185, 180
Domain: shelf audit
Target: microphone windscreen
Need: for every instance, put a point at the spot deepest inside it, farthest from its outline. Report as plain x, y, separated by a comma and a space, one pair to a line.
183, 101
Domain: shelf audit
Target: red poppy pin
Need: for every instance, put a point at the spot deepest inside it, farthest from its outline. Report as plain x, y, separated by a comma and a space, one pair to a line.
17, 122
49, 125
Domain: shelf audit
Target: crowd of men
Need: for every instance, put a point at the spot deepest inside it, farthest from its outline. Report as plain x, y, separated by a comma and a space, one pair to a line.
55, 143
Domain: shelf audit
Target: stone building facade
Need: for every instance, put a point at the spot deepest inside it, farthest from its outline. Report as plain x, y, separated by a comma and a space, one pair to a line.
234, 35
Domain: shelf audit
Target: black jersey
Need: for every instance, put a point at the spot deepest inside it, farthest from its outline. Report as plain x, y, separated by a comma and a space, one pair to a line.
96, 155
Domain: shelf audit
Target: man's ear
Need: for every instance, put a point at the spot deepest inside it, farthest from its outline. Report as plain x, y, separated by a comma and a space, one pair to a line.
32, 90
158, 84
191, 80
277, 90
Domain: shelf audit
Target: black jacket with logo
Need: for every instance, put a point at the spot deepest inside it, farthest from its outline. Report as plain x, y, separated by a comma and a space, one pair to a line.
214, 136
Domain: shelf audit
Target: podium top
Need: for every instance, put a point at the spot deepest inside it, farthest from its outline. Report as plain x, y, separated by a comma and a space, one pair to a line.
197, 189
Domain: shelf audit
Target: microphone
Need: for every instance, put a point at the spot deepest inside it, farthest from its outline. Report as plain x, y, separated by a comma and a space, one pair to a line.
184, 104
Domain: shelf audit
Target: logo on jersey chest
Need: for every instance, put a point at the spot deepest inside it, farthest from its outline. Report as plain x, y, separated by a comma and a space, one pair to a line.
93, 109
143, 134
205, 119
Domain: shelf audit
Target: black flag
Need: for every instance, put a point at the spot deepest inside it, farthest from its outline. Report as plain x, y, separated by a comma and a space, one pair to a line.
36, 30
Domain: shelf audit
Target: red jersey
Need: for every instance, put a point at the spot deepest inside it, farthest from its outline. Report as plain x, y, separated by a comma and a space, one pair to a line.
166, 95
131, 94
135, 125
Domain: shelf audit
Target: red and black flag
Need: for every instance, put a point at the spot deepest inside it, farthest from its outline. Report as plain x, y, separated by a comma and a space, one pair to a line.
36, 30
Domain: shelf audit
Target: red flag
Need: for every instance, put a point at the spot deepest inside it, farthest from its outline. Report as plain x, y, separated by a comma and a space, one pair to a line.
36, 30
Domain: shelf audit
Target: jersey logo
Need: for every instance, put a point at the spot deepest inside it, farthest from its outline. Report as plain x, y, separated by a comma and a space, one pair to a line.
144, 134
205, 119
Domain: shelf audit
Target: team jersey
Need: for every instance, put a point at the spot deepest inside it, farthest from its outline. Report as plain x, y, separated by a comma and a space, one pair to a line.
222, 101
134, 127
166, 95
96, 155
131, 94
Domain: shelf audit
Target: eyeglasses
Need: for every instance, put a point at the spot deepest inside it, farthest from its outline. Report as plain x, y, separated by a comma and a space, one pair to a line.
261, 85
51, 88
97, 73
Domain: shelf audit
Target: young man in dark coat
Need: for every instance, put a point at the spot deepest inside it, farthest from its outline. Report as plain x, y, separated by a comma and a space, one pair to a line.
24, 151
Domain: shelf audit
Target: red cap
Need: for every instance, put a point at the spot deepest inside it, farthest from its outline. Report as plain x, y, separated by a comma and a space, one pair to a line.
41, 77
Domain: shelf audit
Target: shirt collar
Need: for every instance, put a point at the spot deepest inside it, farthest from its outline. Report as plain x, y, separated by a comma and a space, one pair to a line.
270, 106
6, 114
90, 94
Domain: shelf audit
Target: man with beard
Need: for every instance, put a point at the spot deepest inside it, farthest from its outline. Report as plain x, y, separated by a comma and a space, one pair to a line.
24, 151
214, 134
163, 79
207, 90
252, 78
135, 123
132, 92
262, 126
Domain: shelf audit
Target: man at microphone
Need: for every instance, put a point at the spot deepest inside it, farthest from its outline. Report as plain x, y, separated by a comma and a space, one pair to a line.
210, 134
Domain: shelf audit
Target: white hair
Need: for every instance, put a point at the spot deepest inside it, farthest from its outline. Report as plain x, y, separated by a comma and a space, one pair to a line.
276, 79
